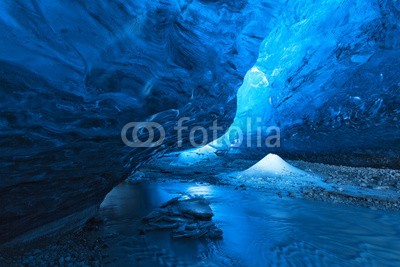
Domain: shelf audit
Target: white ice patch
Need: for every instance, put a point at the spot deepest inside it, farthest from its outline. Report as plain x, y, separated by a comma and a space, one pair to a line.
273, 172
194, 156
272, 165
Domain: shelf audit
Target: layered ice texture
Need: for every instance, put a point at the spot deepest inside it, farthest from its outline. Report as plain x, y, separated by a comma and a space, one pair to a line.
328, 76
73, 73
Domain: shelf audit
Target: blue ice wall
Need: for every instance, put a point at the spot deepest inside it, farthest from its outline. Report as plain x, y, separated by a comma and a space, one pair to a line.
328, 74
73, 73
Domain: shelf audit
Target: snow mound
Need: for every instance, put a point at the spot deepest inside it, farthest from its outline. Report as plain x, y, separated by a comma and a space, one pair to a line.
272, 165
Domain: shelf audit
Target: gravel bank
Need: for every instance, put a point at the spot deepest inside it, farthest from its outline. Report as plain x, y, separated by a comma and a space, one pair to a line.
79, 248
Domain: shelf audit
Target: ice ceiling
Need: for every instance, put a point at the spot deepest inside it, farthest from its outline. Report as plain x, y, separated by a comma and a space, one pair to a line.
74, 72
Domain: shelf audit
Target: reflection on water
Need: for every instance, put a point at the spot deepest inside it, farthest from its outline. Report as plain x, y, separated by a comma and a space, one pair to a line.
259, 230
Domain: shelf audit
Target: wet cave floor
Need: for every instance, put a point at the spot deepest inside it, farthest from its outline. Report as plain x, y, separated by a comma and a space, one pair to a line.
349, 218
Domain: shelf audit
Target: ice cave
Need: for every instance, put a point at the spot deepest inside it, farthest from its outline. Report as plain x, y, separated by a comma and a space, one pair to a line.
200, 133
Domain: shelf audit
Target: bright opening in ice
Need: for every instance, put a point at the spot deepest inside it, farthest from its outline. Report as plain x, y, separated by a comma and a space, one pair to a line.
252, 103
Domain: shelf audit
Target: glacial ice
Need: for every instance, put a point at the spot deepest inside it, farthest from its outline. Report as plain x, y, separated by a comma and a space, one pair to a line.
330, 81
73, 73
195, 156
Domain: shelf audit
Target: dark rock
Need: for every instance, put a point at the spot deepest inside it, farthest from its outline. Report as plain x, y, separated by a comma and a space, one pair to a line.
196, 207
188, 217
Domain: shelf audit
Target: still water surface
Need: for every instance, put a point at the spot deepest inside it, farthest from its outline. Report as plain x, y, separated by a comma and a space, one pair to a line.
259, 230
